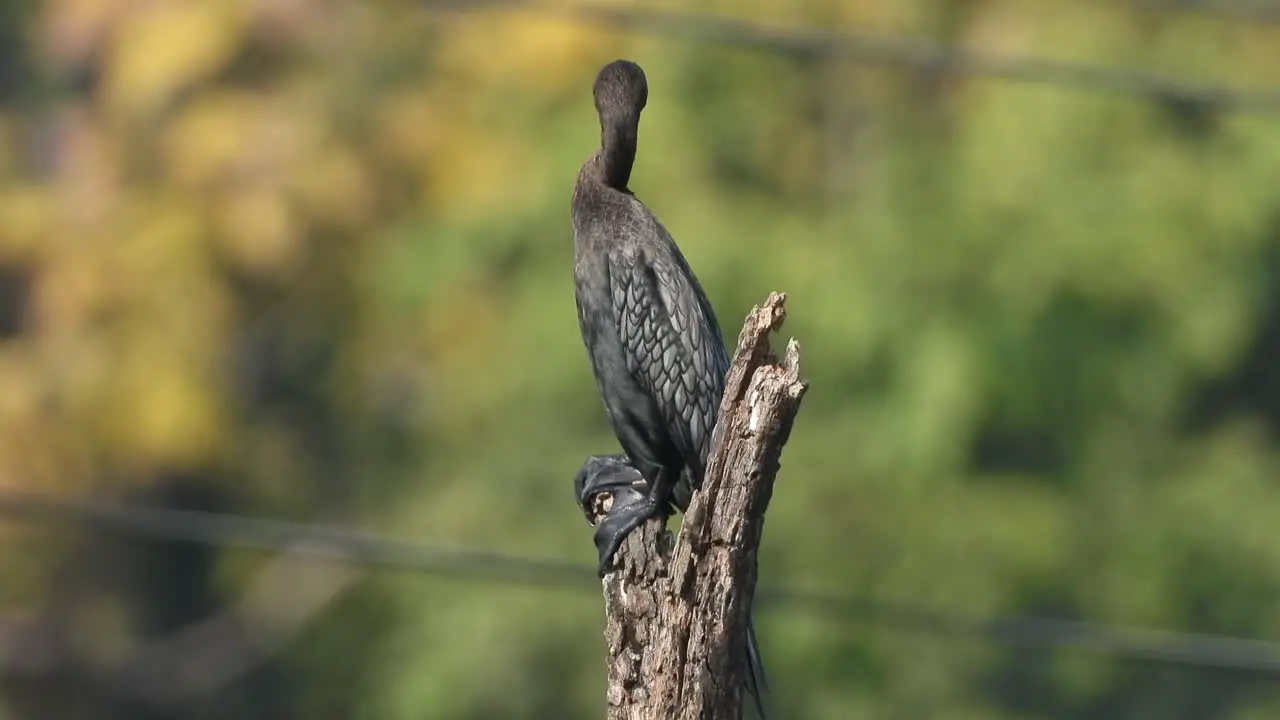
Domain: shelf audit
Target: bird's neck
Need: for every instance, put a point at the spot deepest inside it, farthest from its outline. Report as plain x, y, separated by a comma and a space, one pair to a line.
617, 152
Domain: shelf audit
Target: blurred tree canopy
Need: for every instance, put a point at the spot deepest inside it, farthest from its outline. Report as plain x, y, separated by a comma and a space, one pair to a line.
311, 260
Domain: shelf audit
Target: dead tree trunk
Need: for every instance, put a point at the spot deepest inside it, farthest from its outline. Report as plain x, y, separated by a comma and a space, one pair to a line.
677, 614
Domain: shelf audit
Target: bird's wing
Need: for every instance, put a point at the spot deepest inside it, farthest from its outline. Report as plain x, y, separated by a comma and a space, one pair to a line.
672, 346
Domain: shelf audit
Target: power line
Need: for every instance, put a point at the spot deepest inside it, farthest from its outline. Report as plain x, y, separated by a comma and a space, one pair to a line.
899, 51
320, 540
350, 545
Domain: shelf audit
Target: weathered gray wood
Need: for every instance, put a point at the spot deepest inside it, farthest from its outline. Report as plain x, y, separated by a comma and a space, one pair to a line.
676, 617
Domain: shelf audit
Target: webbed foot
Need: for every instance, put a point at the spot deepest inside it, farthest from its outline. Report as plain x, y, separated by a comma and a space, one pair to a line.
604, 473
633, 500
630, 509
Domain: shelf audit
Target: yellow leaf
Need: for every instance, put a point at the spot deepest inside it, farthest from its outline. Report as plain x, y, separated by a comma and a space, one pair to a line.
29, 213
233, 135
259, 231
479, 172
335, 186
408, 127
541, 53
160, 408
168, 46
208, 137
67, 292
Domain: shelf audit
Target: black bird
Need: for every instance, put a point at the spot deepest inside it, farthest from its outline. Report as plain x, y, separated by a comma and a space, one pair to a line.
651, 335
652, 338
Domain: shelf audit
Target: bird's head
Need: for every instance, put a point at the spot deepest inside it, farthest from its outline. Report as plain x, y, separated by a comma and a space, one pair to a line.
620, 90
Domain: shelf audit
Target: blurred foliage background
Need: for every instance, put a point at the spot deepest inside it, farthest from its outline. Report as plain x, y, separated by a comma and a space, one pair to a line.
311, 260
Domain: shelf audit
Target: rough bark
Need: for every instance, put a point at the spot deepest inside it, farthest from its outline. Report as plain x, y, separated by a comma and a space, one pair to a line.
676, 615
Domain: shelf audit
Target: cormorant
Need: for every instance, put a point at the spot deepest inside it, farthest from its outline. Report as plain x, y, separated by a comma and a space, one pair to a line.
652, 338
651, 335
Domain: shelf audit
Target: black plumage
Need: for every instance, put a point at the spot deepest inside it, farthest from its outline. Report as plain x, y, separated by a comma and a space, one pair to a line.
651, 335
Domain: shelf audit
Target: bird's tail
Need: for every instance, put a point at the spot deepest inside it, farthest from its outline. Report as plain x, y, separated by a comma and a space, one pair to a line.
757, 684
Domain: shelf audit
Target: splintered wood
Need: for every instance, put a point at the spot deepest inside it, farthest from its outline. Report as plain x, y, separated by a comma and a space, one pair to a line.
677, 613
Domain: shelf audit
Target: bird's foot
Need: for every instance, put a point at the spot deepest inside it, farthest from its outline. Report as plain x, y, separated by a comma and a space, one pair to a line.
631, 507
616, 499
612, 474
